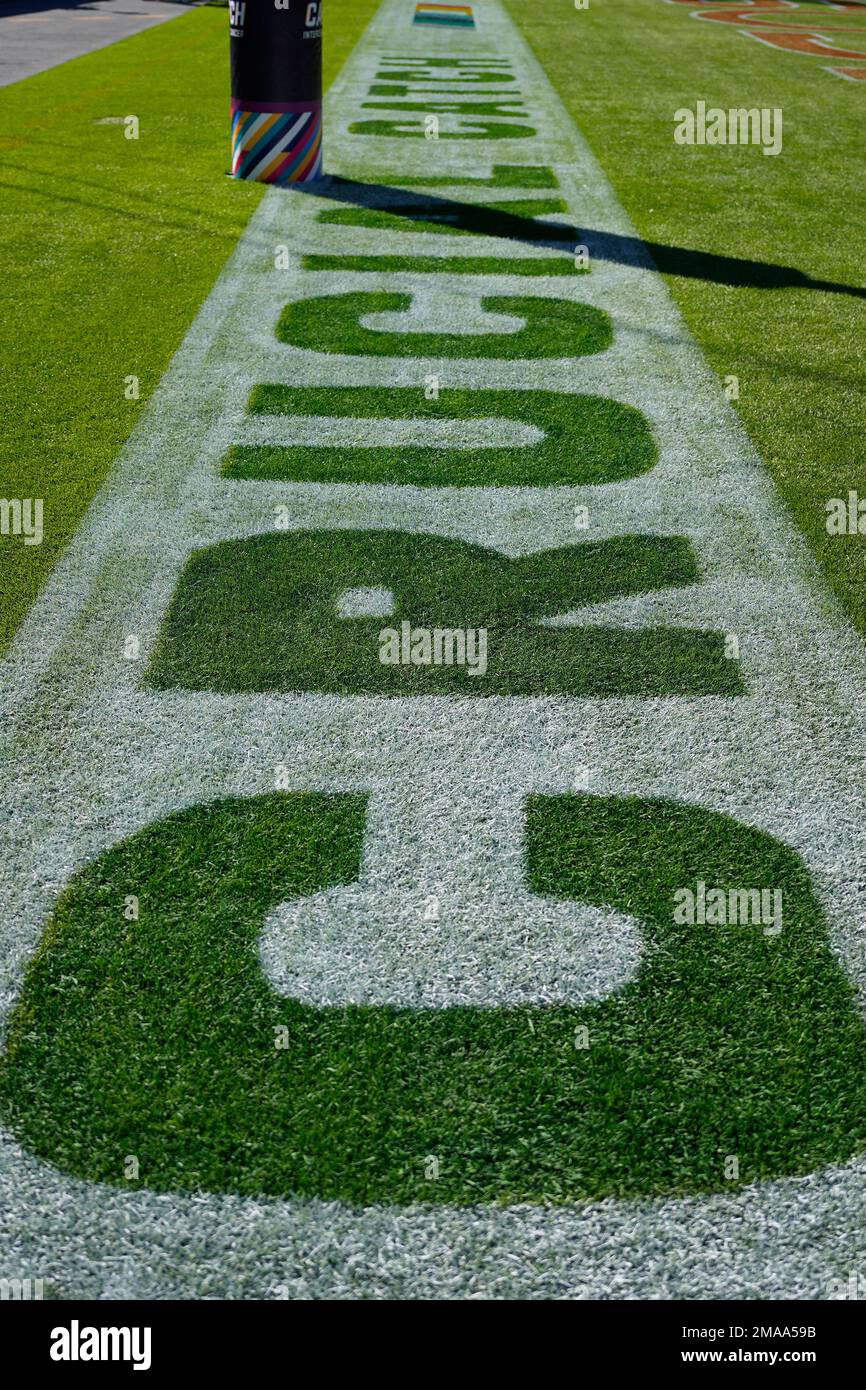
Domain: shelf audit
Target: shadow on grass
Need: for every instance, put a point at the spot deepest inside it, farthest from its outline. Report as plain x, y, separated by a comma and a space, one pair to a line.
605, 246
475, 219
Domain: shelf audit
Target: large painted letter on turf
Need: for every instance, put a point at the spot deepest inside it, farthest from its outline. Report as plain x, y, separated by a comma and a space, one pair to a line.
281, 612
725, 1042
586, 439
551, 328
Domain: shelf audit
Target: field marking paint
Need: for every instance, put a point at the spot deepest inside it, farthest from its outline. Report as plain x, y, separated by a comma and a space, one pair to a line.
426, 926
778, 29
89, 757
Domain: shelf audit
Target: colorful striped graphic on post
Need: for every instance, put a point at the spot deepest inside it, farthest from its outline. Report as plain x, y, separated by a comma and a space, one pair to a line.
445, 14
276, 143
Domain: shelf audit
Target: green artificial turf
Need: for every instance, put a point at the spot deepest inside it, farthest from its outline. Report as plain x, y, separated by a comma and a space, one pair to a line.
587, 439
775, 243
108, 248
161, 1039
420, 215
261, 614
553, 328
448, 265
503, 175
